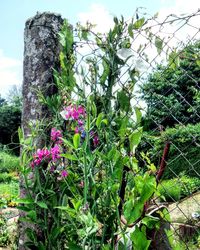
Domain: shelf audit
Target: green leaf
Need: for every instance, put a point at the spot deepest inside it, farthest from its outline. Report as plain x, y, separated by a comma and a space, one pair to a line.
165, 215
41, 246
99, 120
138, 24
146, 186
138, 114
139, 240
32, 215
23, 208
106, 71
150, 221
73, 246
70, 157
123, 127
124, 100
133, 211
158, 44
20, 135
24, 201
68, 143
42, 204
130, 30
105, 121
135, 138
76, 140
85, 34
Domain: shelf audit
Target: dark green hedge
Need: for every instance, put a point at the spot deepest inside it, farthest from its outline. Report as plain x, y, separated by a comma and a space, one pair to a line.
184, 155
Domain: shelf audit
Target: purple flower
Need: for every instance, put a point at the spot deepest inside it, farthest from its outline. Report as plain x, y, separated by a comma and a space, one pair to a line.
56, 135
96, 141
80, 122
64, 173
55, 153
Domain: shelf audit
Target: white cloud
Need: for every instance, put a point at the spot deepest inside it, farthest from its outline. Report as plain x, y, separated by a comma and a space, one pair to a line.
181, 7
98, 15
10, 73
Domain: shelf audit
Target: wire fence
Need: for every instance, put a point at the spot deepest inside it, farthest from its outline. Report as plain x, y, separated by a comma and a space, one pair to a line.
166, 55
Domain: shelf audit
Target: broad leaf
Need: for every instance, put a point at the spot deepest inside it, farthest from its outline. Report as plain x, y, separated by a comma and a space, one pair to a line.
76, 140
139, 240
138, 24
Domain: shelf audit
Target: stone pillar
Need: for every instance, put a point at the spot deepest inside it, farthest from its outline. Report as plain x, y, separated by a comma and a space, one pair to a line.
41, 55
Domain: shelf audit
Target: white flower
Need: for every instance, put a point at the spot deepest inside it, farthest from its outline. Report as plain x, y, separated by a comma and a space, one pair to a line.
63, 114
195, 215
124, 53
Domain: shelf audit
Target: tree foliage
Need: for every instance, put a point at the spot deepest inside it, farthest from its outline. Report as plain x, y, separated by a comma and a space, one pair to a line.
172, 92
10, 120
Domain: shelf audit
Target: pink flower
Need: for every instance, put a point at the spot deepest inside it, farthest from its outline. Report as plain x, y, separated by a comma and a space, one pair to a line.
55, 153
72, 112
64, 173
56, 135
32, 165
81, 184
75, 114
42, 154
80, 122
76, 130
81, 110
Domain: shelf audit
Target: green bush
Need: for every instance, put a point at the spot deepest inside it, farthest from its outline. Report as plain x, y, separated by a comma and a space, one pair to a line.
184, 151
178, 188
189, 185
169, 190
8, 163
5, 177
4, 235
9, 192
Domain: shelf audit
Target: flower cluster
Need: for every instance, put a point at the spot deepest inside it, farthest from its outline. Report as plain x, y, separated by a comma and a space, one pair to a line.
56, 136
40, 156
45, 155
72, 112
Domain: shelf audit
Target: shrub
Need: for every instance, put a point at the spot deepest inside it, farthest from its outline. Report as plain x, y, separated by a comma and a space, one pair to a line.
184, 151
169, 190
5, 177
4, 235
9, 192
8, 162
178, 188
189, 185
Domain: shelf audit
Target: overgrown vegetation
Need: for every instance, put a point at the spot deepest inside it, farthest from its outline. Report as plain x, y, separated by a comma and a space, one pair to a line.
4, 235
10, 120
9, 180
78, 197
172, 91
8, 163
184, 151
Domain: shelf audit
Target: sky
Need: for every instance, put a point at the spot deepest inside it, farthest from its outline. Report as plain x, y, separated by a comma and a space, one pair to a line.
14, 13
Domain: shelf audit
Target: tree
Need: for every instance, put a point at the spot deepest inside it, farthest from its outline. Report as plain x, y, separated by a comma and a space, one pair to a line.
172, 92
10, 120
2, 101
